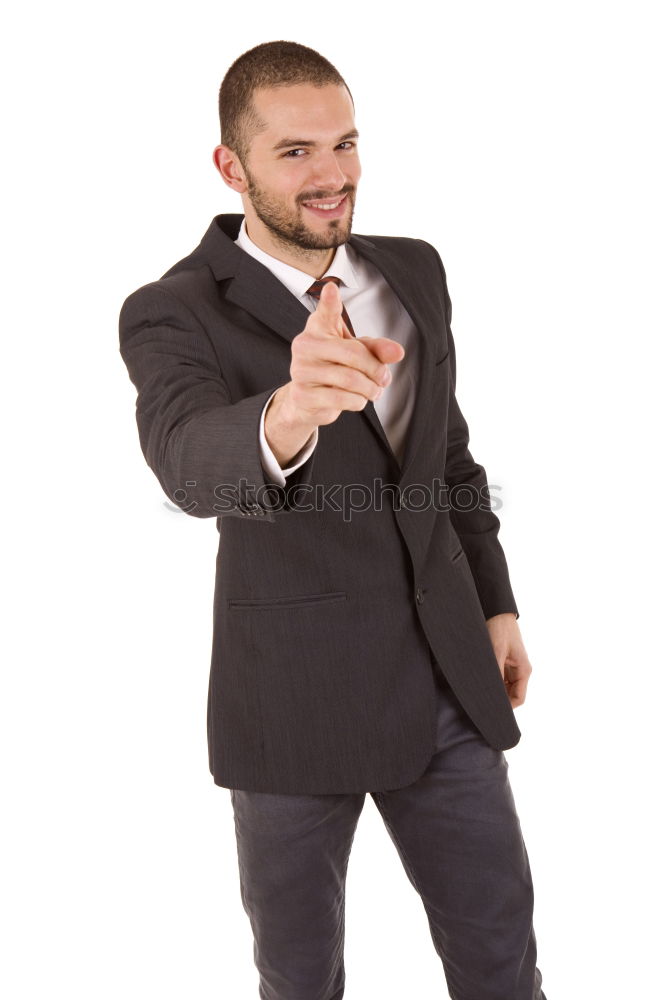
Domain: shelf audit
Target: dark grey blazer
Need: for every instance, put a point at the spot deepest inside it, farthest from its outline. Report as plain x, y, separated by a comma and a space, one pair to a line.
329, 624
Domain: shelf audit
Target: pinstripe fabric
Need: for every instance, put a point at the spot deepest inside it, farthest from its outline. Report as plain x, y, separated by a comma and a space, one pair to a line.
331, 617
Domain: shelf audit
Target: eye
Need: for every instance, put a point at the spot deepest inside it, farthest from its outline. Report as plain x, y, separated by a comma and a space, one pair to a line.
347, 142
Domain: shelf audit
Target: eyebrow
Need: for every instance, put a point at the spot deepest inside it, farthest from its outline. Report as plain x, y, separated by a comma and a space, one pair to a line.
284, 143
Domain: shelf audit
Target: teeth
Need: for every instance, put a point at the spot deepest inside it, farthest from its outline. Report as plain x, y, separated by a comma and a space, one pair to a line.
325, 205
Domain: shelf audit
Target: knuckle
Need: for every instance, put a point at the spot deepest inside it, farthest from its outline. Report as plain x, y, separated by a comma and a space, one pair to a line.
297, 370
342, 399
347, 380
299, 344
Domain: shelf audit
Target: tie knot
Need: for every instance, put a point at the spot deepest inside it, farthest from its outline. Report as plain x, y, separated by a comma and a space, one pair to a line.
316, 287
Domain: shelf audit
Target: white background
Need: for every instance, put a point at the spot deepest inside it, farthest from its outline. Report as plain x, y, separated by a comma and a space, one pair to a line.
526, 142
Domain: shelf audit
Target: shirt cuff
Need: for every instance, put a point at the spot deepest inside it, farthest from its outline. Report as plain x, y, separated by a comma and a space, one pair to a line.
270, 463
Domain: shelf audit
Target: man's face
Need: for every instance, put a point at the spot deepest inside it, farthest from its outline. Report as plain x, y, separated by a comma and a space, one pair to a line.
308, 153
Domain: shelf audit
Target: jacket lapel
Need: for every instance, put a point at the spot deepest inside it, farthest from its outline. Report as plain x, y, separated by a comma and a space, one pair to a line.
390, 262
256, 289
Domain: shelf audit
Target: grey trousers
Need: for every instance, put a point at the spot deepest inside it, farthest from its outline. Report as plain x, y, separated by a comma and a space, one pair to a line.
459, 839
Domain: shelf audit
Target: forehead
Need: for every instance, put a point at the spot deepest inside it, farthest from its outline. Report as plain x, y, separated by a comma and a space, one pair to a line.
322, 111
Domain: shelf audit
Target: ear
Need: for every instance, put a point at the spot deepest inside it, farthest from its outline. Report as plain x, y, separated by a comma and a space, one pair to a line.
229, 168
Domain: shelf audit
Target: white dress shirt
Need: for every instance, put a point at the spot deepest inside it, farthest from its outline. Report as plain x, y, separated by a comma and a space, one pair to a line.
375, 311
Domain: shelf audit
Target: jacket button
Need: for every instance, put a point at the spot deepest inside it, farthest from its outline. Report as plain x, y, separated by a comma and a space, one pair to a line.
419, 596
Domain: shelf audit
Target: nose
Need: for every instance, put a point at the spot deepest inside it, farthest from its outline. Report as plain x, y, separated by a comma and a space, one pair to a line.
326, 174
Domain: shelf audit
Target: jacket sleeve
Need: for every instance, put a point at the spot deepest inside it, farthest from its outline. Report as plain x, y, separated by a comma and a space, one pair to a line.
203, 448
473, 520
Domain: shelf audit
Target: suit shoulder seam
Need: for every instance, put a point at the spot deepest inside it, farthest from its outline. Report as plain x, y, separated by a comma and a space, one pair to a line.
160, 286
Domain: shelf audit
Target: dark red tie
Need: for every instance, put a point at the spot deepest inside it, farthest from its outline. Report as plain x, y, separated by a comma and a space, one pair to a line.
315, 290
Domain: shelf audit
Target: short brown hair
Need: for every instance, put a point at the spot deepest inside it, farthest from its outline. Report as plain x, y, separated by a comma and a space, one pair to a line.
271, 64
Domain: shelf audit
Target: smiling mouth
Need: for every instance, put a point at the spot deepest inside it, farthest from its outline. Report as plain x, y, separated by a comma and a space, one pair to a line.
331, 207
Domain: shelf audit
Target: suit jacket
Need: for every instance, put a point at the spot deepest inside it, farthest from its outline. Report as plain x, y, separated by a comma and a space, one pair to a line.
329, 625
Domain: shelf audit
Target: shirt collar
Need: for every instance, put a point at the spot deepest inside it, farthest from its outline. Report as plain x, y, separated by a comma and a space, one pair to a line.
295, 280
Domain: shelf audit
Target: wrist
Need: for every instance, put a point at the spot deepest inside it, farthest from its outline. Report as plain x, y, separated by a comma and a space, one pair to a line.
285, 415
285, 429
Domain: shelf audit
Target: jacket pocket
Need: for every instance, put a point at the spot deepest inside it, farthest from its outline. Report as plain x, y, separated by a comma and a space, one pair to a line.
457, 555
440, 361
289, 602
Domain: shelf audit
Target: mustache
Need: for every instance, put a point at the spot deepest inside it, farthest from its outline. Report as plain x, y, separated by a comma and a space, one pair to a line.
327, 197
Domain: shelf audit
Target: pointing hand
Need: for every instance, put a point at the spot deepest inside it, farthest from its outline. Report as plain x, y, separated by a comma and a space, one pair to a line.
331, 370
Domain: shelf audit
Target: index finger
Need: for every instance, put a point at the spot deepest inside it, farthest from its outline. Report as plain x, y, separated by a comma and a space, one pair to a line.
329, 304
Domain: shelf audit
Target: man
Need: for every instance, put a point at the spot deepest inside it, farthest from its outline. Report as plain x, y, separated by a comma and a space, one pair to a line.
297, 382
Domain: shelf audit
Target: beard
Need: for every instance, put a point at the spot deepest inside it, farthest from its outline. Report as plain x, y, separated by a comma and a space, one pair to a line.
287, 227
